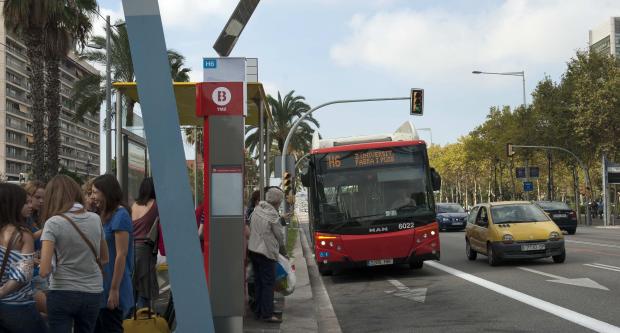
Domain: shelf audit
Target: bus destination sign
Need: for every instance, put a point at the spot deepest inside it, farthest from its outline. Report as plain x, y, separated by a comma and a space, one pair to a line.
362, 159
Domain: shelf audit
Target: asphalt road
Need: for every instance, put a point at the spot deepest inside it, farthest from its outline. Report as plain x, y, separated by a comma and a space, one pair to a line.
457, 295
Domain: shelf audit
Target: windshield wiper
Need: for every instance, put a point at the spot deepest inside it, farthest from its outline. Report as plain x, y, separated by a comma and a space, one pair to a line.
342, 225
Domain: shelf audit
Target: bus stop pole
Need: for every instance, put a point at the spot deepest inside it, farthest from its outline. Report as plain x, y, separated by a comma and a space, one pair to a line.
261, 151
309, 112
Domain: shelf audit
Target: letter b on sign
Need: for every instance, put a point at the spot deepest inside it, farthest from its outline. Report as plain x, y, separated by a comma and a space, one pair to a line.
221, 96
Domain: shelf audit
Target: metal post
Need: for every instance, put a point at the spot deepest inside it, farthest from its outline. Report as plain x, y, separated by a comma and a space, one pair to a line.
524, 101
550, 178
119, 139
261, 151
606, 200
267, 153
108, 99
576, 188
309, 112
195, 166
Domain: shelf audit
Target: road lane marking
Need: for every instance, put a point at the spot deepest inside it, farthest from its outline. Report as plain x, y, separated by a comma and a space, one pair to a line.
580, 282
591, 243
601, 266
564, 313
416, 295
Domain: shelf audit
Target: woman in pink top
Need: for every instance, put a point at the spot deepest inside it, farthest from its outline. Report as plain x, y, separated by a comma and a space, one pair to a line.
144, 213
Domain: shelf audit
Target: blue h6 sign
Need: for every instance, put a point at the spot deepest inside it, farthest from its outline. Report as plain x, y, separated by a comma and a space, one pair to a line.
209, 63
528, 186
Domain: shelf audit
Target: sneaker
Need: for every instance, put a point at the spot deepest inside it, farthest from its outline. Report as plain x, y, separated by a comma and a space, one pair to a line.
272, 319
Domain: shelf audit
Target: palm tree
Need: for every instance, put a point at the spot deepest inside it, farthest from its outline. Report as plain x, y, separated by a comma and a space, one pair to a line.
285, 112
69, 22
28, 18
89, 92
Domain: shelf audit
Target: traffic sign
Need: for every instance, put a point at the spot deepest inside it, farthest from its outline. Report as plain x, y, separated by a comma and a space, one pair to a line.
613, 173
528, 186
534, 172
520, 173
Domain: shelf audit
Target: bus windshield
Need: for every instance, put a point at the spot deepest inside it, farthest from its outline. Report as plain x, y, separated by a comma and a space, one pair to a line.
361, 188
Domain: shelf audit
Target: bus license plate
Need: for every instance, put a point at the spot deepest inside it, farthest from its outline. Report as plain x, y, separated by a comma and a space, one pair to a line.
532, 247
380, 262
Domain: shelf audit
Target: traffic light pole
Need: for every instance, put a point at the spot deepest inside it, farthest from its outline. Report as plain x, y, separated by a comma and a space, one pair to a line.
309, 112
581, 164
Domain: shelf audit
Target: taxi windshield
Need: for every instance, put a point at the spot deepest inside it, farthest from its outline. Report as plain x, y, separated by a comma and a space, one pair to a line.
517, 213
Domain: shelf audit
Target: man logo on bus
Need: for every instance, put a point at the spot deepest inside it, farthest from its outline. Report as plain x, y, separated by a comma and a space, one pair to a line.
221, 97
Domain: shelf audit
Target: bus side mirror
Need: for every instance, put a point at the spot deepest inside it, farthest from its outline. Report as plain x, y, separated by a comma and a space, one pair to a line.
435, 179
305, 175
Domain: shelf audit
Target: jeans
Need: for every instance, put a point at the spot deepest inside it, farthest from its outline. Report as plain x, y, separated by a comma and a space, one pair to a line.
264, 282
110, 321
20, 319
72, 309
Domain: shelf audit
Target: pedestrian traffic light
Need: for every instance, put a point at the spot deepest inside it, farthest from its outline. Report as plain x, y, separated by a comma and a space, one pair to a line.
509, 150
417, 102
287, 183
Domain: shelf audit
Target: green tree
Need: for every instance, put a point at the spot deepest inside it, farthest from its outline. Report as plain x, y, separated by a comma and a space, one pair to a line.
71, 23
28, 18
285, 111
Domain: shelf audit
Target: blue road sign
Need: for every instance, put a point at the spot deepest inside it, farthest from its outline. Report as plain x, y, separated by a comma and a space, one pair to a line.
528, 186
520, 173
209, 63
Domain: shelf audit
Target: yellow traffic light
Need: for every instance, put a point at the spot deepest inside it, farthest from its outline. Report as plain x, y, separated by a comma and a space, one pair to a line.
287, 183
417, 102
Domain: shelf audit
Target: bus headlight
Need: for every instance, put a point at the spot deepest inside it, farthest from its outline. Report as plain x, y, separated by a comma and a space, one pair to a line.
323, 243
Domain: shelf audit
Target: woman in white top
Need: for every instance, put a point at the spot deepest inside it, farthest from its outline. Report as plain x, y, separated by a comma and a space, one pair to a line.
74, 238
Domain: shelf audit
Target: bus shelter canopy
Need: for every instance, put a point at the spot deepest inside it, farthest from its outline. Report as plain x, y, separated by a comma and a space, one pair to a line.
185, 93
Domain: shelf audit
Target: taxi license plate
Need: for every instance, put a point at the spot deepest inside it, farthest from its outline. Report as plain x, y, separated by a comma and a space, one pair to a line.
559, 215
380, 262
532, 247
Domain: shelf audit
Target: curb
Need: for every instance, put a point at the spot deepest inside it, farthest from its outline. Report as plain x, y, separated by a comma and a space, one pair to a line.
326, 317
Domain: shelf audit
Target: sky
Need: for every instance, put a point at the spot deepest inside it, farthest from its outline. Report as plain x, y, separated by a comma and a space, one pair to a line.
327, 50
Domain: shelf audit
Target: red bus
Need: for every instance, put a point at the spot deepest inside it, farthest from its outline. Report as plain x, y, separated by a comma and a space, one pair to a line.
370, 201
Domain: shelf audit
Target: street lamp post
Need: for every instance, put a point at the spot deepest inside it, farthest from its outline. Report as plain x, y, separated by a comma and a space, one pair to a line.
521, 74
429, 131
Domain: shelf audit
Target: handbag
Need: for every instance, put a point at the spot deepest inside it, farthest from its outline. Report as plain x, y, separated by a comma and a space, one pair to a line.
90, 245
7, 254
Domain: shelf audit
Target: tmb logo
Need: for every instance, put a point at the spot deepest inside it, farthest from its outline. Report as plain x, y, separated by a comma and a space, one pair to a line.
221, 97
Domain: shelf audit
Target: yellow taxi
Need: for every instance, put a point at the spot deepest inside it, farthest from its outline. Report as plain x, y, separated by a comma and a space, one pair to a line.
512, 230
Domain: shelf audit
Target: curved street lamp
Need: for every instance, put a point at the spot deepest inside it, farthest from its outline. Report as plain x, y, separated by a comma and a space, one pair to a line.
521, 74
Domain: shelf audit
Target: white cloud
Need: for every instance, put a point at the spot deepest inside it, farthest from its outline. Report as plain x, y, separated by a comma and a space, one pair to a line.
439, 42
190, 14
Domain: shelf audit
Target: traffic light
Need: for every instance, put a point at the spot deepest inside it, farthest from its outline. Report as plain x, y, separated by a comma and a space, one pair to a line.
509, 150
287, 183
417, 102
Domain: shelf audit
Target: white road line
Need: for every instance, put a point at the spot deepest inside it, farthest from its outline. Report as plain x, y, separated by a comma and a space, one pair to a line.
564, 313
542, 273
399, 285
591, 243
603, 267
610, 266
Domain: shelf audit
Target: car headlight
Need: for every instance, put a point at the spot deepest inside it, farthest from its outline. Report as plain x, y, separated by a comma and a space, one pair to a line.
554, 235
507, 238
445, 219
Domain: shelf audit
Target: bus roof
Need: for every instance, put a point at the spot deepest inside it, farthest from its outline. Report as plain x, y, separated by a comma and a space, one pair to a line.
364, 146
406, 134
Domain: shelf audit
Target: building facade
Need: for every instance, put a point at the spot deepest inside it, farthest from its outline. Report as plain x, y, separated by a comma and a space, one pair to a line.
606, 37
79, 150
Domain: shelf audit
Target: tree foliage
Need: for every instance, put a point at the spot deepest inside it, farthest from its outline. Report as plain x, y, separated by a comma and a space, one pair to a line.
581, 113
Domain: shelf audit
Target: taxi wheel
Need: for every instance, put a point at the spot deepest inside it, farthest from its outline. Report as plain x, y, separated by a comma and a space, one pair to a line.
572, 231
492, 258
560, 258
471, 254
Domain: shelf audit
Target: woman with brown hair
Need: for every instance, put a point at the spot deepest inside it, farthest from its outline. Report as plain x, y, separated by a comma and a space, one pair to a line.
73, 238
36, 195
117, 226
144, 213
89, 198
17, 309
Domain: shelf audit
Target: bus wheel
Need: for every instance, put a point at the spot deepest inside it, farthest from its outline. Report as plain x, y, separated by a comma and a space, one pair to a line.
324, 271
416, 264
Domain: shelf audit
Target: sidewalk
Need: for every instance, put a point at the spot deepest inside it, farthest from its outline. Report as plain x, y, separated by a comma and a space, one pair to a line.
298, 309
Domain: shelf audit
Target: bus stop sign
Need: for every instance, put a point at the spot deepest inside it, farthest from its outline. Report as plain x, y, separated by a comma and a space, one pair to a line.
528, 186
